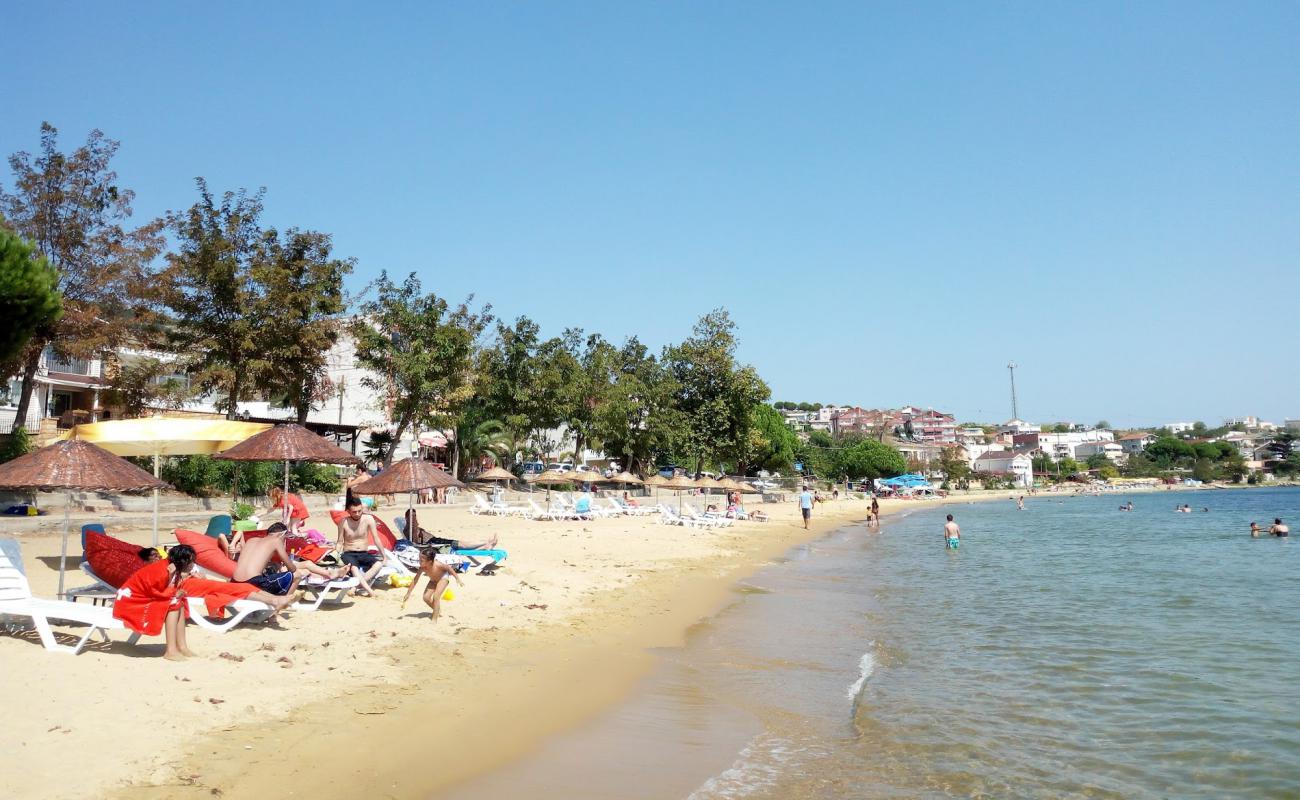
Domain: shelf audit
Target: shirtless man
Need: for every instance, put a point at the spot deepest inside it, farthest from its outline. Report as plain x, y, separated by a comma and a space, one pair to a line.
356, 533
951, 534
1279, 529
259, 551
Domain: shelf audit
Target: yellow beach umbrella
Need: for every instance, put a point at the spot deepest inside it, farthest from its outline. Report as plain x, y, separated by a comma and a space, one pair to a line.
164, 436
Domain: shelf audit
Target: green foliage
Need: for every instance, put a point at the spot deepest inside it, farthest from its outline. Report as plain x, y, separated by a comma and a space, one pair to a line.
143, 383
1097, 461
204, 476
240, 511
301, 287
70, 207
956, 470
773, 444
378, 447
639, 421
1167, 451
16, 444
1102, 425
1043, 464
1061, 427
422, 352
29, 297
1108, 471
855, 457
1068, 466
715, 394
1203, 470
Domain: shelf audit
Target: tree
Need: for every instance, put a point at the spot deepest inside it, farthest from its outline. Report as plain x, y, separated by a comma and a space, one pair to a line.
69, 206
140, 384
1203, 470
862, 457
773, 444
516, 388
953, 465
209, 287
1043, 464
1097, 461
804, 407
1102, 425
301, 294
422, 352
715, 394
639, 420
1198, 428
1061, 427
1167, 451
585, 366
29, 297
1068, 466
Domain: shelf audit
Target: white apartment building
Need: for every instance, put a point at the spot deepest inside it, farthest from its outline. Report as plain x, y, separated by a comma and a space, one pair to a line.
1019, 465
1178, 427
1113, 451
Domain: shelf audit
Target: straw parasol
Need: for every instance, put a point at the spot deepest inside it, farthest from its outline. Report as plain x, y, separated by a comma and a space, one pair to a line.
587, 475
679, 483
74, 465
288, 442
495, 474
409, 475
656, 480
552, 477
705, 482
164, 436
626, 478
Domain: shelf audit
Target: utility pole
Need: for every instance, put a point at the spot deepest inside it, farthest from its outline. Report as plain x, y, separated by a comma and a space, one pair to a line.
1015, 411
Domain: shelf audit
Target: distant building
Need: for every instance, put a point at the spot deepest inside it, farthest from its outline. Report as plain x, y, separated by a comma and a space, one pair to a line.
1113, 451
1292, 424
925, 425
1136, 442
1065, 445
1015, 464
1178, 427
1015, 426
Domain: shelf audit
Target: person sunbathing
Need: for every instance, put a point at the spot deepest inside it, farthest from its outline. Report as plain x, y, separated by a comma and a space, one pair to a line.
437, 573
153, 599
421, 536
256, 565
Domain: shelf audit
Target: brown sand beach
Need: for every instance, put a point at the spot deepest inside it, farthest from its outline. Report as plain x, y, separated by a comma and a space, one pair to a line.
578, 604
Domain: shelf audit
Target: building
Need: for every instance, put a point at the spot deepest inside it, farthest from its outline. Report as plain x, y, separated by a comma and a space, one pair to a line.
67, 392
1018, 465
1016, 426
1178, 427
1292, 424
1064, 445
1136, 442
925, 425
1113, 451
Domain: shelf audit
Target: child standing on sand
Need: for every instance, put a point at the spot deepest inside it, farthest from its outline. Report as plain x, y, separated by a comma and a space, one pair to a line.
437, 573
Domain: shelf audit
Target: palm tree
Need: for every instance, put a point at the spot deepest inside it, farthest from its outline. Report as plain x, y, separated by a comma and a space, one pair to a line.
377, 447
493, 439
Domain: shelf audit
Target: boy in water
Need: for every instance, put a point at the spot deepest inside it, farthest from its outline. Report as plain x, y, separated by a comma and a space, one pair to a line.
437, 573
951, 534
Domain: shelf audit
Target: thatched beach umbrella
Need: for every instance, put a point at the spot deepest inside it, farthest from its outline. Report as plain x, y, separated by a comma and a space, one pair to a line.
74, 465
288, 442
552, 477
656, 480
679, 483
409, 475
495, 474
587, 475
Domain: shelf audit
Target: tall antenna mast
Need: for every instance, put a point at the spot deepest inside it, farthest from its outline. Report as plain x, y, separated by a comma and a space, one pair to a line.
1015, 411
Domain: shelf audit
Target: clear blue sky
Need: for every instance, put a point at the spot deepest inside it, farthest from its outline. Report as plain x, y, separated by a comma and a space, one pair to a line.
893, 199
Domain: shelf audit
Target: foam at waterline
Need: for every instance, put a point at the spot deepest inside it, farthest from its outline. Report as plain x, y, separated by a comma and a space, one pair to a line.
866, 666
758, 767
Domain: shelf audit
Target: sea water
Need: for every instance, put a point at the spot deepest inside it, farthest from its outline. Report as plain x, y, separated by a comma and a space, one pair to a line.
1067, 650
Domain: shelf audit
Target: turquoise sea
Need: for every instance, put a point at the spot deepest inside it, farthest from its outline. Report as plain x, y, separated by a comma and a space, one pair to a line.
1067, 650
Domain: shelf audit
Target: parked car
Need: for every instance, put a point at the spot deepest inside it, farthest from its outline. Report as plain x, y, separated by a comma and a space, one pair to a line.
532, 467
671, 471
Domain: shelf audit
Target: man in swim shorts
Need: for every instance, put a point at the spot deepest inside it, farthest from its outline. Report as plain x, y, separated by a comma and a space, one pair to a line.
951, 534
1279, 529
357, 533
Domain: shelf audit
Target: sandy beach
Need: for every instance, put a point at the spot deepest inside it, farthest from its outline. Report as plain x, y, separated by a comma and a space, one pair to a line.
576, 605
561, 632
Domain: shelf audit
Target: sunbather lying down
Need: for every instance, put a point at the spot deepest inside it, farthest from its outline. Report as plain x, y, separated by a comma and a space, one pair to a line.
153, 600
419, 535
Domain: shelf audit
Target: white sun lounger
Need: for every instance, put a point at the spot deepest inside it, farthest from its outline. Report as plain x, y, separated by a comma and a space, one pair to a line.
321, 591
238, 610
16, 600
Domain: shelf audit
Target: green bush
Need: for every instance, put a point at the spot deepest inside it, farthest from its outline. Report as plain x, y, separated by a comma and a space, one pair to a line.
204, 476
242, 510
19, 443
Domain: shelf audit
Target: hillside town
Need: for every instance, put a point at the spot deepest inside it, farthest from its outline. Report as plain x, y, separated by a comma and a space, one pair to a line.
1242, 449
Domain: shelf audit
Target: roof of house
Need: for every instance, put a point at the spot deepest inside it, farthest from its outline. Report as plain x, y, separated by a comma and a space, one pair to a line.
1129, 437
1002, 455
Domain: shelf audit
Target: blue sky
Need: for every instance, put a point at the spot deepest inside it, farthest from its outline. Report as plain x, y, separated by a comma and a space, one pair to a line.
892, 199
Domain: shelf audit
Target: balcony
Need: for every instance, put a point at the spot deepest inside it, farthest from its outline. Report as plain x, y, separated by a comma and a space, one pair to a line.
69, 366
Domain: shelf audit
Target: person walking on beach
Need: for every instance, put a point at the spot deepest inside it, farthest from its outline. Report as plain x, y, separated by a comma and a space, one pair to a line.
951, 534
1279, 529
806, 505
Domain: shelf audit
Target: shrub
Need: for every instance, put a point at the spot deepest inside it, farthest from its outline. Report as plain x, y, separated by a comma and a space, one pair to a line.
17, 444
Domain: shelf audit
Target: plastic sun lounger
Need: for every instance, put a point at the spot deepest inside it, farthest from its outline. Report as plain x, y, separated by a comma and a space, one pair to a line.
322, 591
16, 600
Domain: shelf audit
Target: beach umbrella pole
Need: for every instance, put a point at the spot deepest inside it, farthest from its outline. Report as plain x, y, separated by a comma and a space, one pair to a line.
155, 502
63, 553
284, 501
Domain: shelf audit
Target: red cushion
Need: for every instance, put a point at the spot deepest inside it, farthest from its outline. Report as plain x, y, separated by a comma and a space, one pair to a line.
207, 553
113, 560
